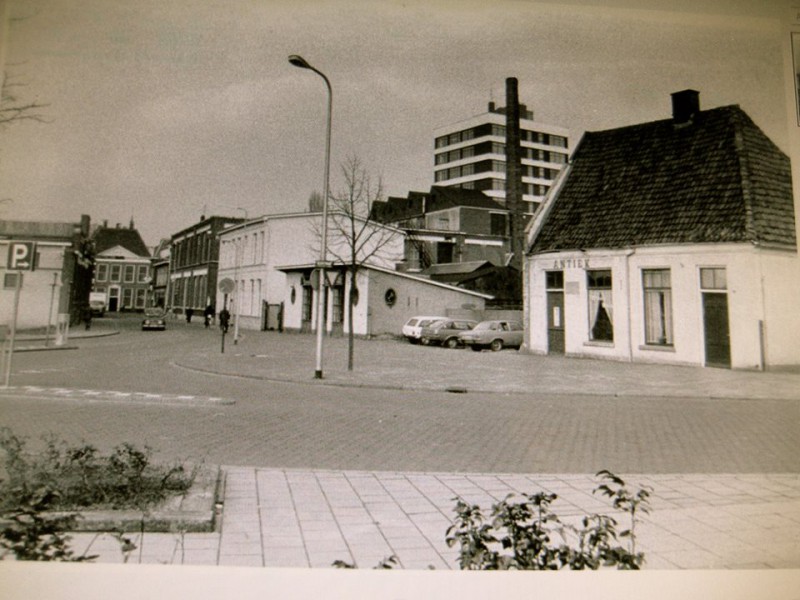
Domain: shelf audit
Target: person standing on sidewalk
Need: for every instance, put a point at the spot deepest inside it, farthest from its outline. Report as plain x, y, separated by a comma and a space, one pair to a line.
224, 319
208, 314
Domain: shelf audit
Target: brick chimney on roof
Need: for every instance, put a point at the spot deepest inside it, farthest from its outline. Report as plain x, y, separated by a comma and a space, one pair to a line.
685, 105
514, 202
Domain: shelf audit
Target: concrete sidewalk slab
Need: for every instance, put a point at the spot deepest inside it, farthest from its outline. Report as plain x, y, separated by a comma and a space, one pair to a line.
311, 518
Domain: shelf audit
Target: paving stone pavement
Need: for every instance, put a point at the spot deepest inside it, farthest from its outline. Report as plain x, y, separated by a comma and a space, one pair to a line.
311, 518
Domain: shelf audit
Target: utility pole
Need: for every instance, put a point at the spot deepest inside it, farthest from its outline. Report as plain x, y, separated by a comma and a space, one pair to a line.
50, 313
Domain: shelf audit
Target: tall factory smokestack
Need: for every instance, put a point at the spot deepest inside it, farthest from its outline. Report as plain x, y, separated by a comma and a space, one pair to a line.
514, 173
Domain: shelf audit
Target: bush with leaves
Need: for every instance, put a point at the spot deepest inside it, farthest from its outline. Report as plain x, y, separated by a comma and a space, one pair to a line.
84, 478
527, 534
30, 533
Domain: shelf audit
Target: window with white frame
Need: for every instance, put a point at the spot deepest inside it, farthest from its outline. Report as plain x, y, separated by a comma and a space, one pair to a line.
713, 278
601, 307
657, 287
116, 271
140, 297
127, 297
129, 274
102, 272
142, 273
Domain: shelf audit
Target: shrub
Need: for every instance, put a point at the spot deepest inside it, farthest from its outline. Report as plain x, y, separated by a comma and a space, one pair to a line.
82, 478
527, 535
30, 534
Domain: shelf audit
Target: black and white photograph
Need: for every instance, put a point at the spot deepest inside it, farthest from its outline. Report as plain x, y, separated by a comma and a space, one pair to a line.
343, 299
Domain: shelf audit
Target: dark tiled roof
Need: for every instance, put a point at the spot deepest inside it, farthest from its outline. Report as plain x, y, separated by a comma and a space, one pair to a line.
439, 198
108, 237
449, 197
716, 179
459, 268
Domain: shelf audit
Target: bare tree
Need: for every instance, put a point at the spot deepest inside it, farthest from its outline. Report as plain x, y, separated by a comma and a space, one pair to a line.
355, 238
13, 108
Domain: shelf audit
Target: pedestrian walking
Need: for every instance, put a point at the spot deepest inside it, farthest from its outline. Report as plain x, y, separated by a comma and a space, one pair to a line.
189, 313
208, 314
87, 317
224, 319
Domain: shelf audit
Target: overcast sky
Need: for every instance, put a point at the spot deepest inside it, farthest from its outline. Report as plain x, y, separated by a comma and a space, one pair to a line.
163, 110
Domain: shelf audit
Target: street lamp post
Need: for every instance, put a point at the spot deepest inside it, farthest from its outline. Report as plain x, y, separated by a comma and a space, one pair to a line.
299, 61
236, 264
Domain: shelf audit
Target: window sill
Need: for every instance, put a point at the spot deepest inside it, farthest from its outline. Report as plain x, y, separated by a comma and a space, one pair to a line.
599, 344
658, 347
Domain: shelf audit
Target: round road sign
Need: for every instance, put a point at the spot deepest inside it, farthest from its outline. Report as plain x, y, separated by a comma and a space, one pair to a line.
226, 286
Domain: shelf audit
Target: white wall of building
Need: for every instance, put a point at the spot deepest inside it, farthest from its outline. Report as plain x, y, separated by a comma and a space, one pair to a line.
37, 303
762, 287
264, 245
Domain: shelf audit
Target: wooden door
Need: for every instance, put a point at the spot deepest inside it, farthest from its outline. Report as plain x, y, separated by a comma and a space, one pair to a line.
555, 323
716, 329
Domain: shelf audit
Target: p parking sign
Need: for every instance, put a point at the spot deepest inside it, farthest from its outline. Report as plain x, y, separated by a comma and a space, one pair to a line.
21, 256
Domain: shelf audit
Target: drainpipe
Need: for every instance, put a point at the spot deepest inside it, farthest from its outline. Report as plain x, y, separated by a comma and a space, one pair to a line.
762, 357
628, 253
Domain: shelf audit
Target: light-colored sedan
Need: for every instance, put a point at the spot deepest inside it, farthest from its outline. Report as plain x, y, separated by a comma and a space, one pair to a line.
494, 334
445, 332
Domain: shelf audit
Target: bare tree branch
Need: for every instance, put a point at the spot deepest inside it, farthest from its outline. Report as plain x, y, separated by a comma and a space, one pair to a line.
12, 108
355, 239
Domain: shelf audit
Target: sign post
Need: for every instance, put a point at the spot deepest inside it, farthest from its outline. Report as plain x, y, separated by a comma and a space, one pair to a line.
226, 286
21, 257
7, 377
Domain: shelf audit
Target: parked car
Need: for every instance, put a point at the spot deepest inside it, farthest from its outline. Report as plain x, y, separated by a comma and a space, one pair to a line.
493, 334
154, 319
97, 303
445, 332
412, 330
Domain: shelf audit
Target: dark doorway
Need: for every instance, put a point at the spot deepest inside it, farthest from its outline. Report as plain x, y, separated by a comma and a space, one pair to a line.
555, 323
716, 329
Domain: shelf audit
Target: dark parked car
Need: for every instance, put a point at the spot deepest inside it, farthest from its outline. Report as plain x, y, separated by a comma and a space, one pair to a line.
445, 332
154, 319
494, 334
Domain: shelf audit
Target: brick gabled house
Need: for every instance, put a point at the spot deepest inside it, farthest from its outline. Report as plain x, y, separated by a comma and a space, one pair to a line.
122, 267
671, 241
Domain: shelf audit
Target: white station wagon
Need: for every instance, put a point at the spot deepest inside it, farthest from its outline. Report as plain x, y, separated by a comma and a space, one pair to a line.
412, 330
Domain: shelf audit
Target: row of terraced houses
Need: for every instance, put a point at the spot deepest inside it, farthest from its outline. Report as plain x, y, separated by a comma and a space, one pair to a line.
671, 241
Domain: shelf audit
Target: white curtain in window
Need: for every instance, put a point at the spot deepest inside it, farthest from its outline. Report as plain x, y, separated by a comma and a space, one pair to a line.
658, 317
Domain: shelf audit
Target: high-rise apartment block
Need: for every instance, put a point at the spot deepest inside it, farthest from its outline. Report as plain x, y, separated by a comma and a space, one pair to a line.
472, 154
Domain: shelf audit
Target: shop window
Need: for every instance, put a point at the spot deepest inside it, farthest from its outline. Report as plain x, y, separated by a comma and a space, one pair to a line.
307, 297
601, 309
657, 306
338, 305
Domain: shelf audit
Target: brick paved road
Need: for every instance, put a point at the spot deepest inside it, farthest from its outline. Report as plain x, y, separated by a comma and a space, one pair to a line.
300, 426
